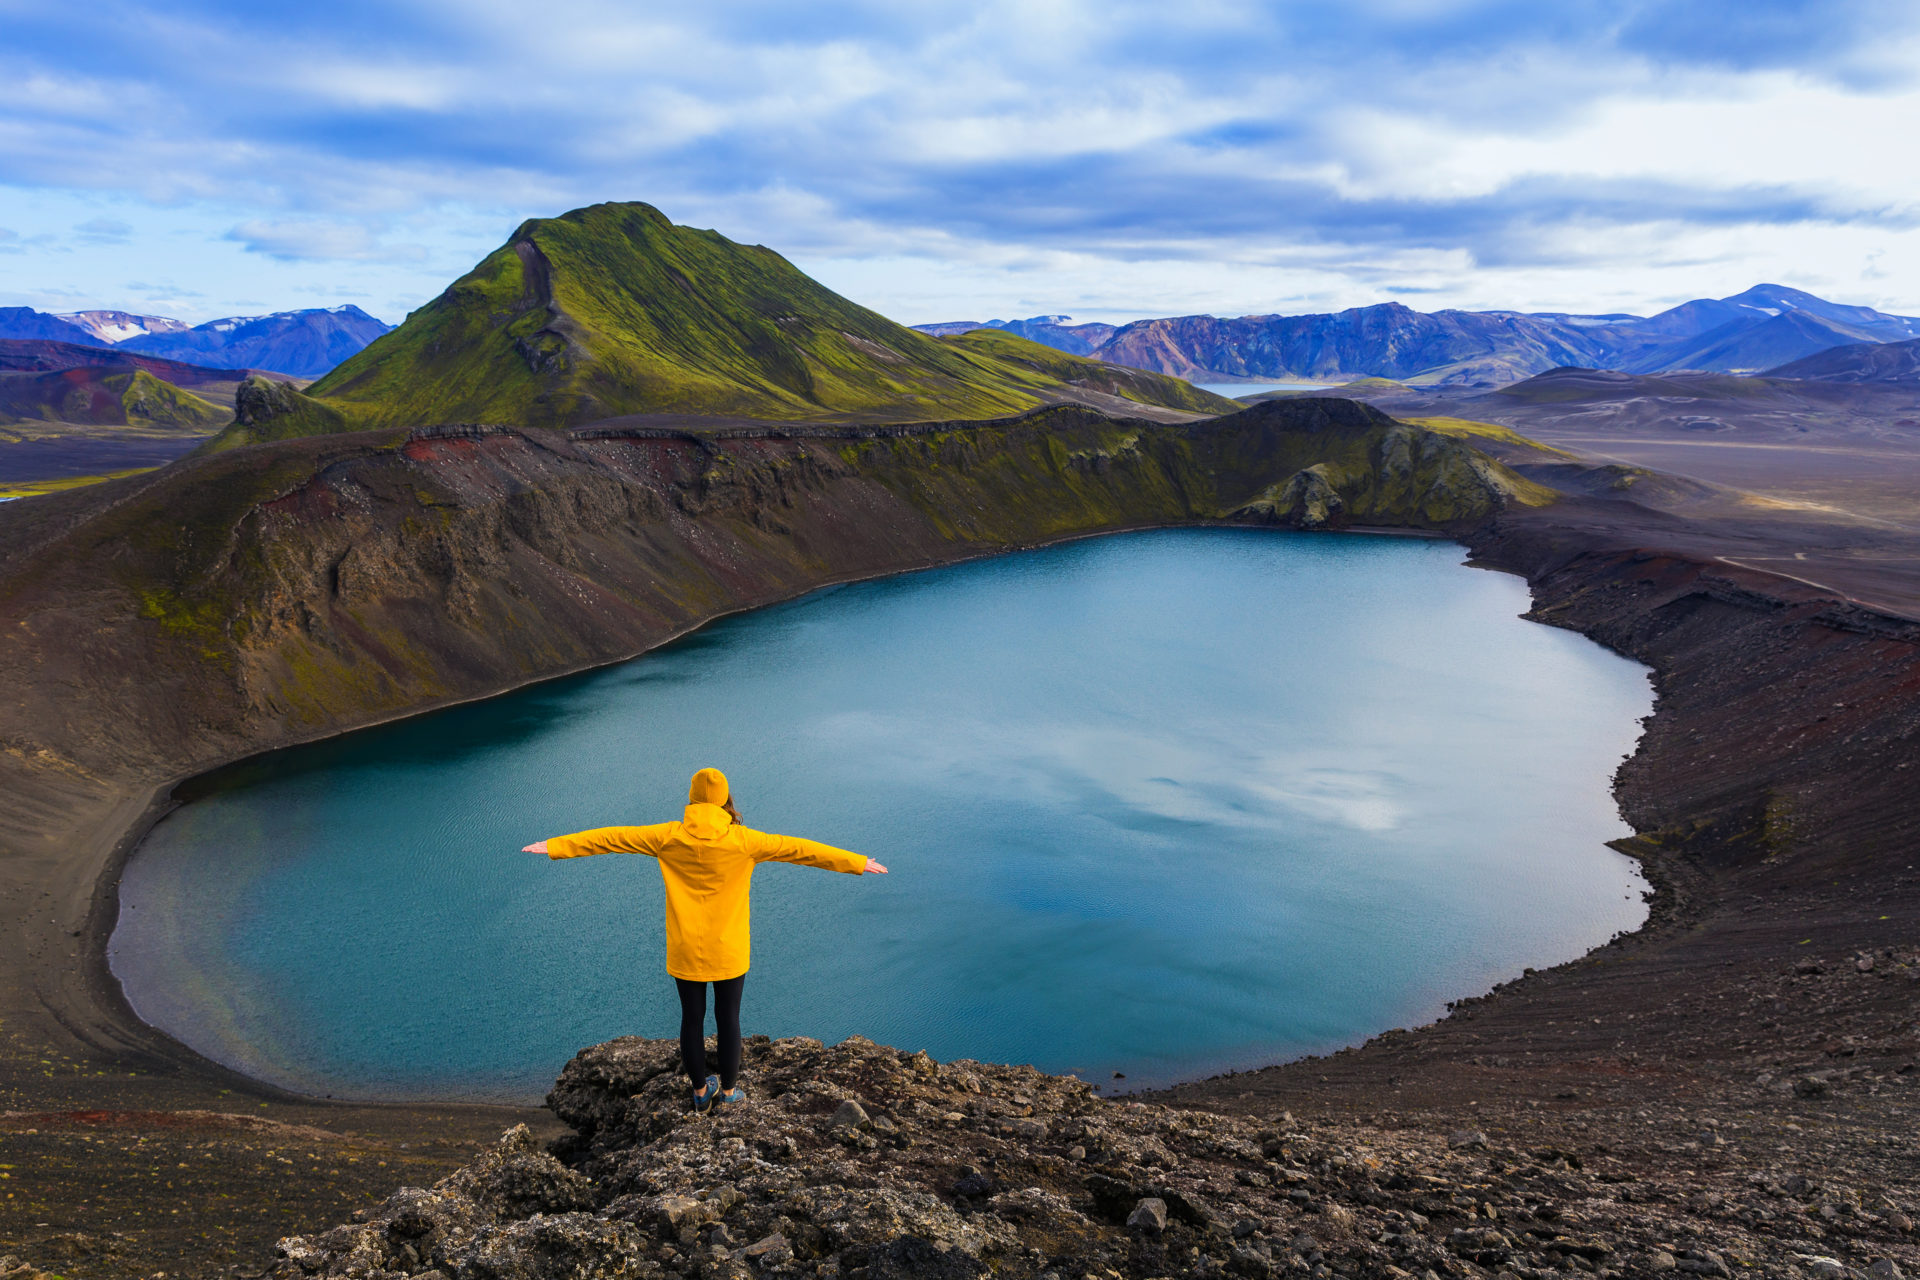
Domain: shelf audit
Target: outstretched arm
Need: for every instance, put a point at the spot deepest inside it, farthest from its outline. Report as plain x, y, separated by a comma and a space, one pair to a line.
767, 847
584, 844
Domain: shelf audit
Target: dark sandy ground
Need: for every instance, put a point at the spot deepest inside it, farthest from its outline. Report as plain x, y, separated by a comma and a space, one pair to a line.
57, 457
1841, 451
1765, 1026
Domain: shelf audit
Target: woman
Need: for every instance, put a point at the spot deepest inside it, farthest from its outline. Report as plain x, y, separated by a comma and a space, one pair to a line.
707, 860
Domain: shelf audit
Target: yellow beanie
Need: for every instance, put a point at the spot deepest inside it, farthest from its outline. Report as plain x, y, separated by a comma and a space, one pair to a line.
709, 786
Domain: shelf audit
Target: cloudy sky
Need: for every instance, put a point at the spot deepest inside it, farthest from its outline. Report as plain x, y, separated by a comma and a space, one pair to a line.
965, 161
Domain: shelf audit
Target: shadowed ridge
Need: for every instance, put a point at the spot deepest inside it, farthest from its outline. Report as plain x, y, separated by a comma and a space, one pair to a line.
1861, 362
323, 580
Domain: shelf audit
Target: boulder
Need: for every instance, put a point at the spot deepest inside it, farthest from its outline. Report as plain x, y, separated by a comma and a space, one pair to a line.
851, 1115
1149, 1215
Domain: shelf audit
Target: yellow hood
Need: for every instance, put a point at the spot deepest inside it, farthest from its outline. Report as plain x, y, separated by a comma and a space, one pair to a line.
705, 819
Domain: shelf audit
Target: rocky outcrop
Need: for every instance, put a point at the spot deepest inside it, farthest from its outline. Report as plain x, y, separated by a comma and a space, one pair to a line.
863, 1162
265, 409
1308, 500
1401, 472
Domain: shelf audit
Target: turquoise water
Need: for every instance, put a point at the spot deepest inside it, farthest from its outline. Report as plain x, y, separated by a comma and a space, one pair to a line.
1163, 804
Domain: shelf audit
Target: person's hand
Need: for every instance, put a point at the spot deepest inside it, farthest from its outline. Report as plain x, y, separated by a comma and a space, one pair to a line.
538, 846
874, 869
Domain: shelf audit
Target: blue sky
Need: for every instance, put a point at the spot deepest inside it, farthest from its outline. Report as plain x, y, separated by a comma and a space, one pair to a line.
944, 161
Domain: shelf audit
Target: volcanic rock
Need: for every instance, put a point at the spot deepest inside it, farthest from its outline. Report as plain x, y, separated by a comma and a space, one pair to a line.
945, 1185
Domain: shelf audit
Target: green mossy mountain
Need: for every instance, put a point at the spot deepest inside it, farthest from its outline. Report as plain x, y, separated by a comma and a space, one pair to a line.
613, 310
147, 401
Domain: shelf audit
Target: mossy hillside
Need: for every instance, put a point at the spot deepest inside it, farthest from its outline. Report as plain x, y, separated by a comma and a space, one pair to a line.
613, 309
1054, 366
147, 401
1052, 474
106, 396
462, 357
1382, 472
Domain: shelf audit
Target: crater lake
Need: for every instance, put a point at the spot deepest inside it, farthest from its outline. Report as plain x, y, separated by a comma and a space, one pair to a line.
1161, 804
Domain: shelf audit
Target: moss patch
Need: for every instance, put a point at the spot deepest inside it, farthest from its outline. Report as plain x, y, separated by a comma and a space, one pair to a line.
32, 488
1468, 429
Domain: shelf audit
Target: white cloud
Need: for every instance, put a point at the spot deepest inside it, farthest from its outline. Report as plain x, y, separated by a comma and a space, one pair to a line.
313, 240
374, 86
1723, 131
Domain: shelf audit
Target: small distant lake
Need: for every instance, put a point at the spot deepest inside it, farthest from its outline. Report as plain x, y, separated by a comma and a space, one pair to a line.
1164, 803
1234, 390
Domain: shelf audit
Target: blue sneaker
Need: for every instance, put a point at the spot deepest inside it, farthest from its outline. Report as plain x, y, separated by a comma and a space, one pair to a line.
703, 1096
734, 1097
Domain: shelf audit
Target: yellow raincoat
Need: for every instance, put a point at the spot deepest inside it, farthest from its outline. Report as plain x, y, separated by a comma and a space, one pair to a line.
707, 862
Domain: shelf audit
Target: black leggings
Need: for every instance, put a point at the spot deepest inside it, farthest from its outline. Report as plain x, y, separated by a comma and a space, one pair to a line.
693, 1028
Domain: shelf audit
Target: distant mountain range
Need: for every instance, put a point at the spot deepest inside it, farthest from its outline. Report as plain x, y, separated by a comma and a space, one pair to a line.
1765, 327
117, 326
301, 344
613, 310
